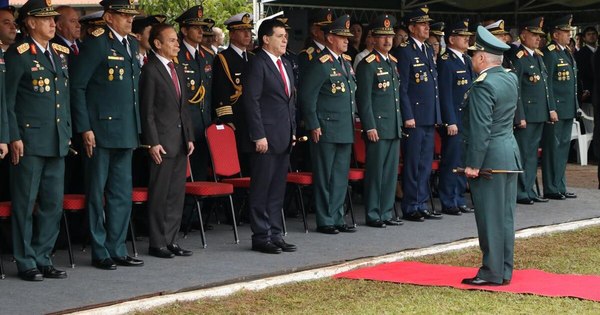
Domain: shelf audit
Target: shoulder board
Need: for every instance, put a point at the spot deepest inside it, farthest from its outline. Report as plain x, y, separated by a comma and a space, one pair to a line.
392, 58
507, 70
61, 48
551, 47
520, 54
481, 77
348, 58
98, 32
370, 58
445, 56
176, 60
208, 50
310, 50
539, 52
325, 58
403, 44
22, 48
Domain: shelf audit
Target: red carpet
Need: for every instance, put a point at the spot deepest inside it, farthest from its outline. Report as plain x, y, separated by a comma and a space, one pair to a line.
524, 281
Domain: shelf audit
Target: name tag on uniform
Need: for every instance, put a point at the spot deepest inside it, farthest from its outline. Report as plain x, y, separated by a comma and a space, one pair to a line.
418, 65
461, 71
116, 58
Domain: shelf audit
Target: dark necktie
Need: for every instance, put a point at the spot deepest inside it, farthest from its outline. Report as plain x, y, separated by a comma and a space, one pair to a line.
126, 44
174, 79
244, 56
282, 73
424, 50
341, 61
75, 49
47, 53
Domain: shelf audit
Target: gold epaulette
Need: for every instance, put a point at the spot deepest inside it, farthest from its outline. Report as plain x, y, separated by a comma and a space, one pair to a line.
445, 56
224, 110
551, 47
22, 48
347, 57
539, 52
392, 58
370, 58
520, 54
61, 48
481, 77
98, 32
309, 50
403, 44
208, 50
176, 60
325, 58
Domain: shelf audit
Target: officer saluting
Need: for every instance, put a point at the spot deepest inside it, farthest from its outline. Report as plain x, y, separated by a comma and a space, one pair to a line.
106, 113
379, 111
562, 84
37, 96
327, 93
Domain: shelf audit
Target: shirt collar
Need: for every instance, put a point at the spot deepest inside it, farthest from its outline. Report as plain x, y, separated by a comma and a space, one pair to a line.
384, 56
273, 57
457, 53
237, 49
319, 45
162, 59
593, 49
419, 43
119, 37
529, 50
68, 42
333, 54
189, 47
42, 49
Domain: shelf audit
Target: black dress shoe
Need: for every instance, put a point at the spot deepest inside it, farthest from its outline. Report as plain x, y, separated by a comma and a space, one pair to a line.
32, 274
267, 248
128, 261
53, 273
525, 201
178, 251
345, 228
106, 264
570, 195
414, 216
465, 209
393, 222
286, 247
160, 252
505, 282
328, 229
538, 199
451, 211
555, 196
478, 281
376, 224
431, 215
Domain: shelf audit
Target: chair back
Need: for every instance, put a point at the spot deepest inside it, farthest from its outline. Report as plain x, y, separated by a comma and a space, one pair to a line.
359, 146
223, 150
437, 148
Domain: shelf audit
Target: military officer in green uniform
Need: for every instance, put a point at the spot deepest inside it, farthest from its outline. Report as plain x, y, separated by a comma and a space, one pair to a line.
3, 116
316, 42
379, 112
37, 96
327, 94
562, 84
106, 112
489, 141
533, 104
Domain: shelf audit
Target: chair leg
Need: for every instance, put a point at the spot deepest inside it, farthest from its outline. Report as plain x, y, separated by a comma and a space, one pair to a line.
202, 235
350, 205
299, 191
283, 222
537, 187
431, 184
66, 225
2, 275
235, 231
132, 232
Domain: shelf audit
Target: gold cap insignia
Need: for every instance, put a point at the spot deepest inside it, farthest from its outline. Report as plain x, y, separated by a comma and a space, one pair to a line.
501, 26
48, 3
425, 10
387, 23
246, 19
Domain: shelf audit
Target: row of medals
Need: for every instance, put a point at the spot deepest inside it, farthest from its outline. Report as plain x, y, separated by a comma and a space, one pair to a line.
564, 75
111, 74
534, 78
41, 85
384, 85
334, 87
419, 77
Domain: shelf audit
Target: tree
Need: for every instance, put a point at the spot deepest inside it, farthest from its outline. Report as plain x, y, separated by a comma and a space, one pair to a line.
218, 10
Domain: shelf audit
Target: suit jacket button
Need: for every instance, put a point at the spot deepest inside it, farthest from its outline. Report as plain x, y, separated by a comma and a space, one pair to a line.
109, 118
178, 126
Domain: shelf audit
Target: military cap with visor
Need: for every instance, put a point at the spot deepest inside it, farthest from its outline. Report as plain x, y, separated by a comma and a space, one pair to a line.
37, 8
340, 27
487, 42
437, 28
141, 22
192, 16
460, 28
418, 15
5, 7
497, 28
321, 16
383, 25
207, 29
93, 19
240, 21
563, 23
534, 26
284, 20
121, 6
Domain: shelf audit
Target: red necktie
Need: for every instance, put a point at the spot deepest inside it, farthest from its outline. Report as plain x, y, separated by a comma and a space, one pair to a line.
285, 84
75, 49
145, 59
174, 78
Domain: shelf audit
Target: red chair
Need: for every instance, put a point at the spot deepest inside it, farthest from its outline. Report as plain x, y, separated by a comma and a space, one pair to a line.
204, 190
4, 215
71, 203
435, 166
300, 180
139, 195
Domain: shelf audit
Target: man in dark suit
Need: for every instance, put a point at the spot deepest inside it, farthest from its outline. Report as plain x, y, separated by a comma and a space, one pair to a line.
105, 111
68, 29
167, 128
270, 113
596, 100
584, 58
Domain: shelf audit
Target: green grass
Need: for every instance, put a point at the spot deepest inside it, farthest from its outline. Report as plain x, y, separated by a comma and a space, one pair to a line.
571, 252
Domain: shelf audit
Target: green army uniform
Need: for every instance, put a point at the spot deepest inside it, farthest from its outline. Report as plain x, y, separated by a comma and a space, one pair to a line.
534, 104
379, 109
327, 95
3, 116
37, 96
319, 17
488, 113
556, 139
105, 101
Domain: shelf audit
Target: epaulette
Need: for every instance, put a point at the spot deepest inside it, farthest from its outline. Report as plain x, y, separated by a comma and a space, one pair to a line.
370, 58
325, 58
61, 48
403, 44
392, 58
551, 47
22, 48
481, 77
347, 57
539, 52
444, 56
176, 60
98, 32
251, 53
208, 50
310, 50
520, 54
